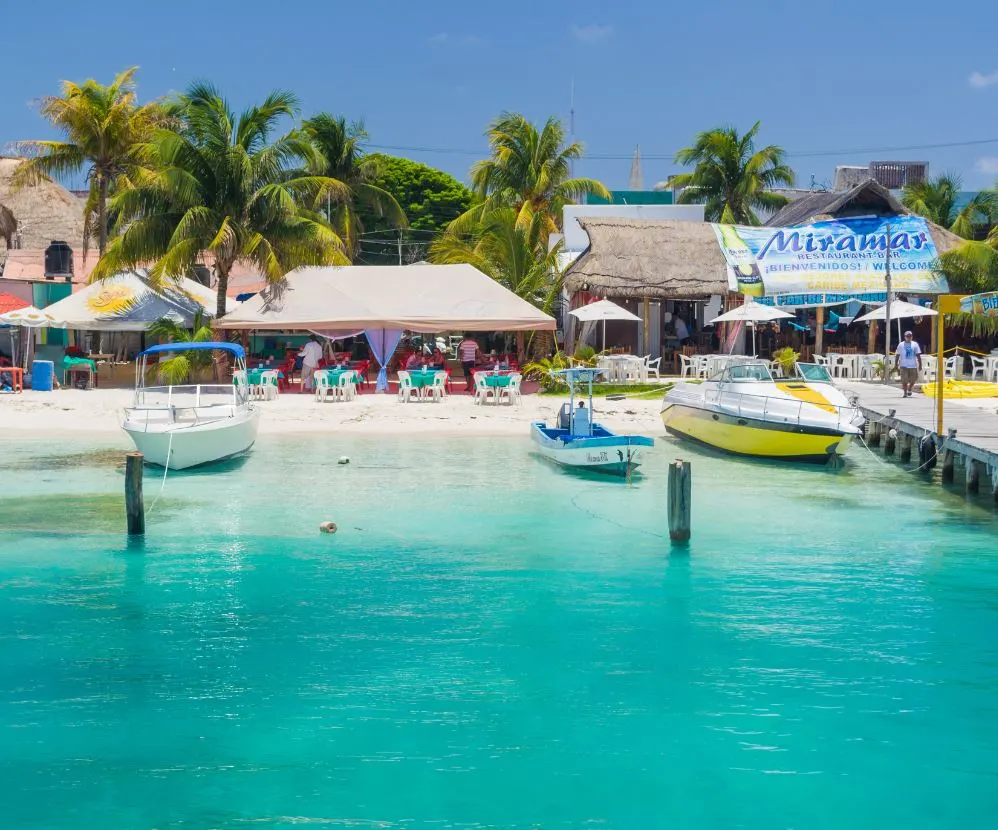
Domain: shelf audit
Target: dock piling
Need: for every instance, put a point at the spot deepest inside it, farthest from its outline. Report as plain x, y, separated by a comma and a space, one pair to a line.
135, 514
904, 453
973, 475
680, 501
890, 441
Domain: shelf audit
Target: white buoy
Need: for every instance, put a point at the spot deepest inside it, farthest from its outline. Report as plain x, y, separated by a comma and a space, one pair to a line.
344, 459
328, 527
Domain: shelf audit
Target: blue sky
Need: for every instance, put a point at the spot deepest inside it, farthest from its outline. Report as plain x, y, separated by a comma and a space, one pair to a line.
431, 75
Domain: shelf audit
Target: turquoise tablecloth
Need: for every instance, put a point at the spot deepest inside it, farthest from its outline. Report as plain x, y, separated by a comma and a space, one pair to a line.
498, 380
334, 375
420, 378
255, 376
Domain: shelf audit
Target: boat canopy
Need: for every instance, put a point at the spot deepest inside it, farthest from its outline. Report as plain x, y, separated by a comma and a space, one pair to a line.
209, 346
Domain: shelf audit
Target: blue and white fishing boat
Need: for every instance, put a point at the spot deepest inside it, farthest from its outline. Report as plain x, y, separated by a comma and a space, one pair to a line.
580, 443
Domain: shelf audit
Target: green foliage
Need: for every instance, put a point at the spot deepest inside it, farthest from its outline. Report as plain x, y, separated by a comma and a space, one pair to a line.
543, 371
343, 159
514, 255
936, 200
182, 366
584, 356
215, 182
528, 170
430, 198
786, 358
730, 177
104, 129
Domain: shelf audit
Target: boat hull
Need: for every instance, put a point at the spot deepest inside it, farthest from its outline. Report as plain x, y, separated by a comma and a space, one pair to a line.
183, 445
617, 455
753, 437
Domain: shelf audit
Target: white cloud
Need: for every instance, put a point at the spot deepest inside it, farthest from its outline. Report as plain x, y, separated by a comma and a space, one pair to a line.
470, 40
439, 37
988, 164
980, 81
591, 33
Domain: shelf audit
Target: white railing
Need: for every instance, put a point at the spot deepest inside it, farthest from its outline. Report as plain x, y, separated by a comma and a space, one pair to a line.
783, 410
194, 396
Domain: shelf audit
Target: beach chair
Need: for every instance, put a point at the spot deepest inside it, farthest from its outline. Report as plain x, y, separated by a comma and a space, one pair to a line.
346, 390
512, 392
406, 389
482, 390
438, 389
268, 384
653, 367
323, 388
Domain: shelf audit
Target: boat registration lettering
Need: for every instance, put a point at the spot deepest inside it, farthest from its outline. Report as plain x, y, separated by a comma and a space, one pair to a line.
597, 458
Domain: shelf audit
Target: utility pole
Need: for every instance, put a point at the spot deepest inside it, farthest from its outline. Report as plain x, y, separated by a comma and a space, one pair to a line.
887, 310
571, 125
400, 246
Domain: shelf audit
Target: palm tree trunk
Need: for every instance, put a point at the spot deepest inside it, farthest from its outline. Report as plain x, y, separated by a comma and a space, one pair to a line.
102, 216
223, 287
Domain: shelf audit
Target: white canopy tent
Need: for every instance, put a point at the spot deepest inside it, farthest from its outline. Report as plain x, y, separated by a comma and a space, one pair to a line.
899, 310
127, 302
384, 300
603, 310
752, 313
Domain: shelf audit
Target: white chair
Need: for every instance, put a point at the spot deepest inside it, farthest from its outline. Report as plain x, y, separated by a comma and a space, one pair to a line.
866, 366
928, 367
512, 392
346, 389
653, 367
323, 389
821, 360
980, 365
482, 390
951, 367
438, 389
406, 389
268, 383
686, 366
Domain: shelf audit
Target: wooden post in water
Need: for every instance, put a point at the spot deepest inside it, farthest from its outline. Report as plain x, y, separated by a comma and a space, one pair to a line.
904, 454
948, 459
135, 512
994, 484
890, 441
973, 473
680, 500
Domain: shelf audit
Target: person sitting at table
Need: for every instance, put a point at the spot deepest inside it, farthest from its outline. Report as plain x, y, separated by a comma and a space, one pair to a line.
412, 361
493, 361
437, 359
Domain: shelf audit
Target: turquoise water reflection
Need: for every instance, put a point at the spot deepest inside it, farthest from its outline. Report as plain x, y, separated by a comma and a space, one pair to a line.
488, 643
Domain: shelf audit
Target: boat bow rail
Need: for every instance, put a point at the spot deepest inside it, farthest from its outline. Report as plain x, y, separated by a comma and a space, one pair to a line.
771, 409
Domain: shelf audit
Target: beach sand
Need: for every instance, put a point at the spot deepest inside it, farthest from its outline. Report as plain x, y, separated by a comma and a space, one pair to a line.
100, 411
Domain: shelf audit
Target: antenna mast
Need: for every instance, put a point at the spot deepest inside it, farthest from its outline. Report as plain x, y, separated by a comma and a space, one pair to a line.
571, 125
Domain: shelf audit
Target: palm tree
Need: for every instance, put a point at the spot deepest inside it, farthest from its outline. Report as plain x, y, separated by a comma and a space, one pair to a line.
730, 177
103, 126
178, 368
343, 159
514, 255
529, 170
8, 226
215, 183
936, 200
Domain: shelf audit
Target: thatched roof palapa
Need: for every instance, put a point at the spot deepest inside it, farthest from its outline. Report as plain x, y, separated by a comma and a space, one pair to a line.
44, 212
664, 259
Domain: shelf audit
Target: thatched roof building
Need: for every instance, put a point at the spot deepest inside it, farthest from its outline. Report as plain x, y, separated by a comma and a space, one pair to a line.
43, 212
659, 259
649, 258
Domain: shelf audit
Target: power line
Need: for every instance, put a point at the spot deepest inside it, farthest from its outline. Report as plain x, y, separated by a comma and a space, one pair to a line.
670, 156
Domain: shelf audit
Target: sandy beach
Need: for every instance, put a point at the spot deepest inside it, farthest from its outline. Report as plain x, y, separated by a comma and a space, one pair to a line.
100, 411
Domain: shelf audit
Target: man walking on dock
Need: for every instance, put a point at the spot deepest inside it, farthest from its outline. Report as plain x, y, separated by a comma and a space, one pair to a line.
908, 358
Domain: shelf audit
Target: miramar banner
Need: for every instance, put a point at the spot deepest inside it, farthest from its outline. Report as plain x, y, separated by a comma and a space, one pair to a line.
840, 256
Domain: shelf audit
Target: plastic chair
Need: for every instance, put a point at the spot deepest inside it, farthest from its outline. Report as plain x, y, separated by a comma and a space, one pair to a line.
686, 366
482, 390
980, 365
268, 384
512, 392
347, 386
653, 367
323, 389
406, 389
438, 389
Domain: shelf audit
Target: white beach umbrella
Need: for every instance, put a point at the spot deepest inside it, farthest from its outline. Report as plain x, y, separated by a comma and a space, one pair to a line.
752, 313
899, 309
603, 310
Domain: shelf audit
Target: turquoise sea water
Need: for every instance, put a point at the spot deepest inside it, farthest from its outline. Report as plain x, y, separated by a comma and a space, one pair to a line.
489, 642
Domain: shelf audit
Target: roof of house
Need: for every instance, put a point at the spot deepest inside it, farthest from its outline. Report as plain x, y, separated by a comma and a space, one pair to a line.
44, 212
649, 258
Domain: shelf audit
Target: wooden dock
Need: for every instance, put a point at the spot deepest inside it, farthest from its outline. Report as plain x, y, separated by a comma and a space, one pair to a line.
900, 425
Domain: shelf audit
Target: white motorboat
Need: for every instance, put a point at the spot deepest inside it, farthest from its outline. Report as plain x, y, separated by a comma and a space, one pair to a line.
187, 426
745, 410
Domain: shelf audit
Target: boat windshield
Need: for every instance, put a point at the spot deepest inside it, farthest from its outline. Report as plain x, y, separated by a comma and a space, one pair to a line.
813, 372
749, 372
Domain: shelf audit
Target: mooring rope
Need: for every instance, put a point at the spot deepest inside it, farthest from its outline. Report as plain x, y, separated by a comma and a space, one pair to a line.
166, 469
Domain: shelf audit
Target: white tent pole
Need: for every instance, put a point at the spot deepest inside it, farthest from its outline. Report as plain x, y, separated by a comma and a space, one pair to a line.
604, 334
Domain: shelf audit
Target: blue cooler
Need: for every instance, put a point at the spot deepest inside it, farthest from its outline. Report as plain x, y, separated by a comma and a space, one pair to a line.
42, 372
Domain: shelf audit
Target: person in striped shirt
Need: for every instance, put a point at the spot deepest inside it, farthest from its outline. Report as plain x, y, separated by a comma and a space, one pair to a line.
468, 352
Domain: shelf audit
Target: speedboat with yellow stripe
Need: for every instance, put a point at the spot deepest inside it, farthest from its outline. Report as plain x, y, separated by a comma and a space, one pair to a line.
747, 411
